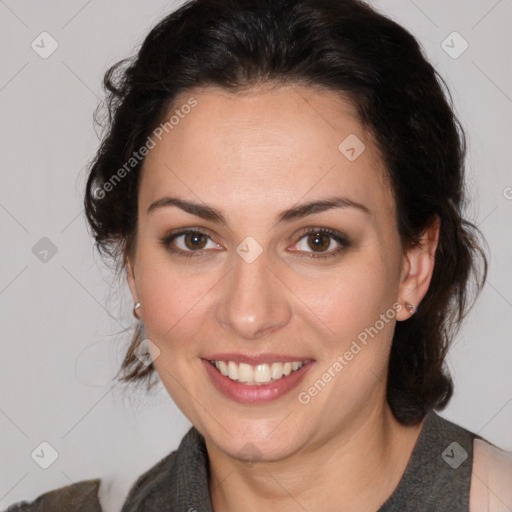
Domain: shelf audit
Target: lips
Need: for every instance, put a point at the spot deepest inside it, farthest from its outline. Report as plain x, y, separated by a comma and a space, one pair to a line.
255, 378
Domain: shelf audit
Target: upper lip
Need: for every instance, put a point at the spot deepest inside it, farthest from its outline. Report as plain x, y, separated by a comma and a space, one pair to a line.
256, 359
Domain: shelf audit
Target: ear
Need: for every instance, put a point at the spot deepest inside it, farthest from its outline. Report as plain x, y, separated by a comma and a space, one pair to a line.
130, 277
417, 269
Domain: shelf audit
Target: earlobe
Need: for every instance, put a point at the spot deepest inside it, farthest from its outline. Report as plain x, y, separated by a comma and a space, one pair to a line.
130, 277
418, 268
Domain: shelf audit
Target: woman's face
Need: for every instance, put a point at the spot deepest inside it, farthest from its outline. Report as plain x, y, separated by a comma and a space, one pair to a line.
259, 283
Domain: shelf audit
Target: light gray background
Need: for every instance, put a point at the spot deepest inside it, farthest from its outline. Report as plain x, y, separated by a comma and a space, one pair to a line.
62, 321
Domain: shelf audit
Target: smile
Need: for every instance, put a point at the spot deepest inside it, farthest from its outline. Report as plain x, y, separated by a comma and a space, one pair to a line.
257, 374
266, 379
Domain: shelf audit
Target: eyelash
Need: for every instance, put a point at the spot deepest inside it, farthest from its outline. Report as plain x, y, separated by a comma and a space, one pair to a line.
334, 235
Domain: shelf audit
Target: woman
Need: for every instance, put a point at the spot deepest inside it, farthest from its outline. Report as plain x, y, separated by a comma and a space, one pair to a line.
282, 182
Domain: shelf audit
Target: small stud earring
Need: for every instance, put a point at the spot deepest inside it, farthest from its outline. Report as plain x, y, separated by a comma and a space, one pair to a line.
409, 307
135, 308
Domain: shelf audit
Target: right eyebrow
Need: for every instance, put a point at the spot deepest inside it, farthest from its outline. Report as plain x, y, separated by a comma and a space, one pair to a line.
204, 211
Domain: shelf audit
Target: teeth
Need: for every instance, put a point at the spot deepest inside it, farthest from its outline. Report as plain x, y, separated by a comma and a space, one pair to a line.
223, 368
259, 374
276, 370
245, 373
232, 370
262, 373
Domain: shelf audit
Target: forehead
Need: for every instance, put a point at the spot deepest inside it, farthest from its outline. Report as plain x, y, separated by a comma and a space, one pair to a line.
264, 145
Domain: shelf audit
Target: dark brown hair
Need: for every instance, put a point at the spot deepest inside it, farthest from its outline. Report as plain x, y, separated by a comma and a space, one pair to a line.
344, 46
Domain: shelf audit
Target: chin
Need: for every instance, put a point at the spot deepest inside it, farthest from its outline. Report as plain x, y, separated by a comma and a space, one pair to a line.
255, 441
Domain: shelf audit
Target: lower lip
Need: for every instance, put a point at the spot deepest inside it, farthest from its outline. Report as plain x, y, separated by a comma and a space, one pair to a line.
258, 393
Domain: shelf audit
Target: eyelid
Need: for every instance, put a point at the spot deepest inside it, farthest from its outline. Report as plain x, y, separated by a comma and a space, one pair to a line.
168, 238
340, 238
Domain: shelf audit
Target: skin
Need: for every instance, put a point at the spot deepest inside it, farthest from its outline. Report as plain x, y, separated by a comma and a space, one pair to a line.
253, 155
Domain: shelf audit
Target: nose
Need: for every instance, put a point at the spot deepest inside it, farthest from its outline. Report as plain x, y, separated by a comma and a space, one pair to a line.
254, 301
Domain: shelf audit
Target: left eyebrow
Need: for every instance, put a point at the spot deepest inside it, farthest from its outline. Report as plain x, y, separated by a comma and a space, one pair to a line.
297, 212
303, 210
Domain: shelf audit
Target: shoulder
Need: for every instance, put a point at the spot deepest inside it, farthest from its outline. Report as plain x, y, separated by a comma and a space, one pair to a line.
78, 497
152, 479
491, 480
154, 483
84, 496
179, 477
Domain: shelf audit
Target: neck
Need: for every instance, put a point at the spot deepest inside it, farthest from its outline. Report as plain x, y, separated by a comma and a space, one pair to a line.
357, 467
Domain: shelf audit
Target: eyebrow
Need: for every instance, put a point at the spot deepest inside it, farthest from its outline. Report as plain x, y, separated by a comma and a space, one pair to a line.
297, 212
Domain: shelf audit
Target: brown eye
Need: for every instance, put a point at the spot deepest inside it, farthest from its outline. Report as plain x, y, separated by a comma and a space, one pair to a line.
195, 241
189, 243
322, 243
319, 241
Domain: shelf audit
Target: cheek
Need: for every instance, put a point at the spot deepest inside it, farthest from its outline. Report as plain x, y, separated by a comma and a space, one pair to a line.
350, 299
356, 316
173, 301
